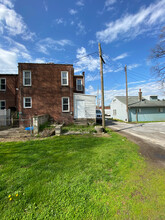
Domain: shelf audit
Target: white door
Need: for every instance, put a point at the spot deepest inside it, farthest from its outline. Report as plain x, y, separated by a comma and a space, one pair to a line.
80, 108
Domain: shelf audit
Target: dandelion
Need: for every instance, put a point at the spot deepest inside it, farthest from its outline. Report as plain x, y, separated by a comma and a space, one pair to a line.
16, 195
9, 196
10, 199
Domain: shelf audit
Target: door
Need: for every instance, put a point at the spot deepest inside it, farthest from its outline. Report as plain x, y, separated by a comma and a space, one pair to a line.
80, 108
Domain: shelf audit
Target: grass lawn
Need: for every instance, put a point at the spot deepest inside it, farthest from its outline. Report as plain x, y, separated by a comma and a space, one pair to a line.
79, 177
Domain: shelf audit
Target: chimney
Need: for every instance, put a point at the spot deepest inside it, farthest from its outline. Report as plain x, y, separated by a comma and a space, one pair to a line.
83, 73
140, 95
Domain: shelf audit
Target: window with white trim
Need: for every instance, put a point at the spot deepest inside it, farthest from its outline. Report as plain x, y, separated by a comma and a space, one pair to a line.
27, 78
65, 104
2, 104
64, 78
27, 102
79, 86
2, 84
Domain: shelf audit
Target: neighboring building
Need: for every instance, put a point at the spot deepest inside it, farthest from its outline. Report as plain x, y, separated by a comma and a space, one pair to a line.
106, 109
8, 84
44, 89
139, 108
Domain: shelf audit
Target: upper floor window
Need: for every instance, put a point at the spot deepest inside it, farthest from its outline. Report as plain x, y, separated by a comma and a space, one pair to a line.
2, 84
65, 104
2, 104
64, 78
27, 102
27, 78
79, 86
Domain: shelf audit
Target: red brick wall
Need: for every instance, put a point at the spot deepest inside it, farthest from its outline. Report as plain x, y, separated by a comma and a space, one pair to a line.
10, 94
46, 91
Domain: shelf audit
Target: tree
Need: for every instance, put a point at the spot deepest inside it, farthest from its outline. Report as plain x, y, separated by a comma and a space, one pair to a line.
158, 55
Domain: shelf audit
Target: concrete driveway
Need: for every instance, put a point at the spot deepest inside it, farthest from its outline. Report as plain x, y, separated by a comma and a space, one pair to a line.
153, 133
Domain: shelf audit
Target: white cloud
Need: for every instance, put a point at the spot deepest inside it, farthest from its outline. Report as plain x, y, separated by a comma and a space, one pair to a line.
49, 43
8, 61
150, 88
59, 20
81, 29
86, 62
12, 22
121, 56
109, 2
132, 66
45, 6
7, 3
132, 25
72, 11
80, 3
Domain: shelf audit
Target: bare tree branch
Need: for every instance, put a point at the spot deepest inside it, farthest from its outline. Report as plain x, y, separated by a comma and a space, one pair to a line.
158, 56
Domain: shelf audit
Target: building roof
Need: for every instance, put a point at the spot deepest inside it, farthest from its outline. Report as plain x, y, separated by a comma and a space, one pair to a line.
133, 101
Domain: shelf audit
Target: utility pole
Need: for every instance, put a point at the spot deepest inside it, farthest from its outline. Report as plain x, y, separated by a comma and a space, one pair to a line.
126, 93
102, 86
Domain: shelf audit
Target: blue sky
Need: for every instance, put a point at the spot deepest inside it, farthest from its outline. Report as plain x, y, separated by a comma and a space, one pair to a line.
68, 31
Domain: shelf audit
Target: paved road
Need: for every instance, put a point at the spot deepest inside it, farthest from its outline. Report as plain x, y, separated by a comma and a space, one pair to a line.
153, 133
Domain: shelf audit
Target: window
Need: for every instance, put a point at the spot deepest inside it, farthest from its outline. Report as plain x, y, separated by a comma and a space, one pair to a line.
64, 78
27, 102
65, 104
2, 84
114, 111
2, 104
27, 78
79, 85
160, 109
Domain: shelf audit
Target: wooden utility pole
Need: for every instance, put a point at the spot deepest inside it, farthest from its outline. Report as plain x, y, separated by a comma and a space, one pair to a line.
126, 93
102, 86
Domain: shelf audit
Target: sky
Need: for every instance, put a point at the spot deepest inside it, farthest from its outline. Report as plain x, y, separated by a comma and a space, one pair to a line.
68, 32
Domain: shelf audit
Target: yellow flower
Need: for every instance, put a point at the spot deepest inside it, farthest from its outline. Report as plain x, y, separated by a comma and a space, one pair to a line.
10, 199
16, 195
9, 196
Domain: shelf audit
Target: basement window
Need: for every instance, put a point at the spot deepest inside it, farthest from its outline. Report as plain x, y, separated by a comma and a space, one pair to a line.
27, 78
2, 104
2, 84
65, 104
64, 78
27, 102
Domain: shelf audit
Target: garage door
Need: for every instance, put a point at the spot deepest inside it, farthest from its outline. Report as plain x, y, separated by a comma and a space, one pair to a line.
80, 109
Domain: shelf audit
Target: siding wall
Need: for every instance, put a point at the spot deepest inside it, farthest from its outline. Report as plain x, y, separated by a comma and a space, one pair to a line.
90, 105
120, 110
147, 114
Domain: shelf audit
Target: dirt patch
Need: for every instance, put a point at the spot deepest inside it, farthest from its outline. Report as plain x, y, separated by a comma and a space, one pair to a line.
153, 153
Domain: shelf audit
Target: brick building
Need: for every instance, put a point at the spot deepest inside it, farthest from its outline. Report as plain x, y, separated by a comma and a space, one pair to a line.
8, 85
47, 89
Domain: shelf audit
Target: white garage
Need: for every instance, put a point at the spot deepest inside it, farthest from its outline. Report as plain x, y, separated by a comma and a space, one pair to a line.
84, 106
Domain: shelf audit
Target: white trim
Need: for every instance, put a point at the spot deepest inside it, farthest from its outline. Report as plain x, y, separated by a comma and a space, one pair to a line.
68, 104
79, 85
24, 78
1, 84
24, 102
66, 78
0, 104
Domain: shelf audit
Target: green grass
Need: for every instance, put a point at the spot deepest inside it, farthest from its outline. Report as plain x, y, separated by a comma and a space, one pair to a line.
81, 128
79, 177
